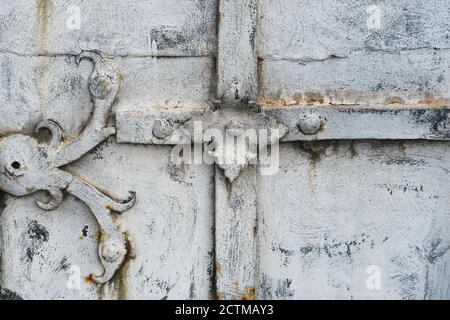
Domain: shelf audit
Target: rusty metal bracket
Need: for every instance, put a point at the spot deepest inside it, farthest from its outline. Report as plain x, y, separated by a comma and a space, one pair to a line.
304, 123
241, 128
294, 123
26, 166
179, 127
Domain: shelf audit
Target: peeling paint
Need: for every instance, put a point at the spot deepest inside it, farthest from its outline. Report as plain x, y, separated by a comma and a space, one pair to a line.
6, 294
285, 236
337, 98
37, 235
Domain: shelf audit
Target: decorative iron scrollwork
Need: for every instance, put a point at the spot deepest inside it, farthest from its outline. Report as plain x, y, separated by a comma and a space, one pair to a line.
27, 166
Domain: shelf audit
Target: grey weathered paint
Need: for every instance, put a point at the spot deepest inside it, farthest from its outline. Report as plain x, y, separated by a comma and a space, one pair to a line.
312, 244
237, 77
310, 231
323, 52
115, 27
45, 86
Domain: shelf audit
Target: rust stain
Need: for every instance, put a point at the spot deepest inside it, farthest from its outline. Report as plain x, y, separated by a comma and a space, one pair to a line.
218, 268
100, 235
89, 278
322, 127
250, 294
277, 102
259, 61
120, 278
336, 98
312, 97
394, 100
163, 107
432, 101
220, 296
298, 97
118, 285
307, 98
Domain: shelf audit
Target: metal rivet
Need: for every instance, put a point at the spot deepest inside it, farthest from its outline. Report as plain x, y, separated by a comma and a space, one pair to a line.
310, 124
162, 129
111, 251
100, 86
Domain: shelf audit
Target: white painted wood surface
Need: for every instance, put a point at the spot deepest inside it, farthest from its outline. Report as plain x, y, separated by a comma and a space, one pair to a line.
337, 208
236, 59
114, 27
333, 212
36, 88
353, 52
169, 229
236, 235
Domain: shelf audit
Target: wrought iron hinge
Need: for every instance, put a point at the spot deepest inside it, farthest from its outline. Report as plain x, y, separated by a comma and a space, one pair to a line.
27, 166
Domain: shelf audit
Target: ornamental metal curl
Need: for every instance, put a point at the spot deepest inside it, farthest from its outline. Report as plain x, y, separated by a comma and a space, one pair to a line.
27, 166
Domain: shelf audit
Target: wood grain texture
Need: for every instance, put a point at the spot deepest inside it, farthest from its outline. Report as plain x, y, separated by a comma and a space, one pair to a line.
332, 52
404, 78
235, 202
114, 27
236, 63
36, 88
235, 235
315, 30
336, 208
169, 232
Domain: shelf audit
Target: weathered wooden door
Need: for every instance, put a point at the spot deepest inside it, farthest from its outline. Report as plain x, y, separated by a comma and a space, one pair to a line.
203, 149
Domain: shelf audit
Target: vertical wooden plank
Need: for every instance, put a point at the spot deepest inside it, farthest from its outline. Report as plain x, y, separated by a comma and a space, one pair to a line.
237, 71
356, 220
236, 235
236, 201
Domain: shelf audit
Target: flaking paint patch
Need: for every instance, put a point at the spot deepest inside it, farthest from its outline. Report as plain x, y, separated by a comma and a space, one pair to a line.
176, 172
335, 247
283, 289
6, 294
407, 279
64, 265
192, 290
2, 201
434, 250
212, 275
439, 121
36, 236
275, 288
286, 254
